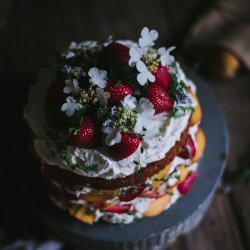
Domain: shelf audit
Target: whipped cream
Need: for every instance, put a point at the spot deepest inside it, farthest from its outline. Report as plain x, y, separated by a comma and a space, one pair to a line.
167, 133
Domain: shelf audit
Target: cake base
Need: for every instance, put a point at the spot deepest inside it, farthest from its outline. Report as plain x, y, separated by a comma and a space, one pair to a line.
152, 232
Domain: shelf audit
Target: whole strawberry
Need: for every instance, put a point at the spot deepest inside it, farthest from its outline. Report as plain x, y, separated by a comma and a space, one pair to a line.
127, 146
120, 52
87, 135
159, 98
185, 186
117, 93
188, 150
162, 77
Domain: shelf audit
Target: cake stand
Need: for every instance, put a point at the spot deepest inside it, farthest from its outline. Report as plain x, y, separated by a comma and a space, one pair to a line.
155, 232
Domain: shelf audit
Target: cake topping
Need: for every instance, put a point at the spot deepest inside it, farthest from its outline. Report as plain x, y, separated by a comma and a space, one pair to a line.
107, 83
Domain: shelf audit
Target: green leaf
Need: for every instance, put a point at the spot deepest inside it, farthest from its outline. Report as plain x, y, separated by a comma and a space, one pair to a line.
180, 111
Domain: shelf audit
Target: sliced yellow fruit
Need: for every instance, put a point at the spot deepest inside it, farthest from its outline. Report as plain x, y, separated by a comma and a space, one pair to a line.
157, 177
183, 174
81, 214
93, 197
197, 113
157, 206
200, 144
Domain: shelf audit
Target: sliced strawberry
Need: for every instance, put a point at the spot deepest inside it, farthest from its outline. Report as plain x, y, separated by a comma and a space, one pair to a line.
153, 194
117, 93
188, 150
162, 77
119, 209
159, 98
185, 186
121, 52
131, 194
87, 136
127, 146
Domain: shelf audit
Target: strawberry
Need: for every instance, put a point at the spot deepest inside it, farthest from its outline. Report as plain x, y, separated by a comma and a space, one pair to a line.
119, 209
185, 186
162, 77
117, 93
121, 52
153, 194
87, 136
127, 146
131, 194
159, 98
188, 150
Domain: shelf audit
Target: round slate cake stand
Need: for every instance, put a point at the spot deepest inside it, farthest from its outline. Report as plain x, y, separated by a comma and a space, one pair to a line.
155, 232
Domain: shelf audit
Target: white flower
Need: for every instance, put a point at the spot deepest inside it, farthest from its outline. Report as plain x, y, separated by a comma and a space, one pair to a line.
114, 137
146, 112
129, 102
135, 55
69, 54
148, 37
165, 57
71, 86
71, 106
102, 96
73, 45
144, 74
97, 77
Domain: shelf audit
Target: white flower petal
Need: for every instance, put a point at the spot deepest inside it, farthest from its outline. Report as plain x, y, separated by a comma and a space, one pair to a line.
153, 35
140, 66
70, 112
150, 77
65, 106
142, 78
129, 101
67, 90
145, 32
139, 125
113, 138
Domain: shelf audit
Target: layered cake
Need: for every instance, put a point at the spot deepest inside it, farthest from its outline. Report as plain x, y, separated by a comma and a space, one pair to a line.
116, 129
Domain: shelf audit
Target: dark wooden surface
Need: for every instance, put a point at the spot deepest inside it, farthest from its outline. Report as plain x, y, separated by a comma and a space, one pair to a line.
30, 30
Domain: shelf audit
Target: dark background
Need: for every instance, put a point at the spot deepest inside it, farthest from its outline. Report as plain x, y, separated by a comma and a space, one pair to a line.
30, 31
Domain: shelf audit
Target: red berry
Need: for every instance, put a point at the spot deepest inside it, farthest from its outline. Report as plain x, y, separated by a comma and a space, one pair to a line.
162, 77
119, 209
127, 146
87, 136
185, 186
117, 93
131, 194
121, 52
188, 150
153, 194
159, 98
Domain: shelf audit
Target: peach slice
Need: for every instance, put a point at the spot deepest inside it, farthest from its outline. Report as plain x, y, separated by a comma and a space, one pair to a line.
101, 205
81, 214
156, 183
183, 174
157, 206
197, 113
200, 144
93, 197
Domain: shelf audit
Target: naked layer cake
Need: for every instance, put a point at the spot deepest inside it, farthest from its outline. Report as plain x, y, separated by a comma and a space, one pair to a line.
116, 129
